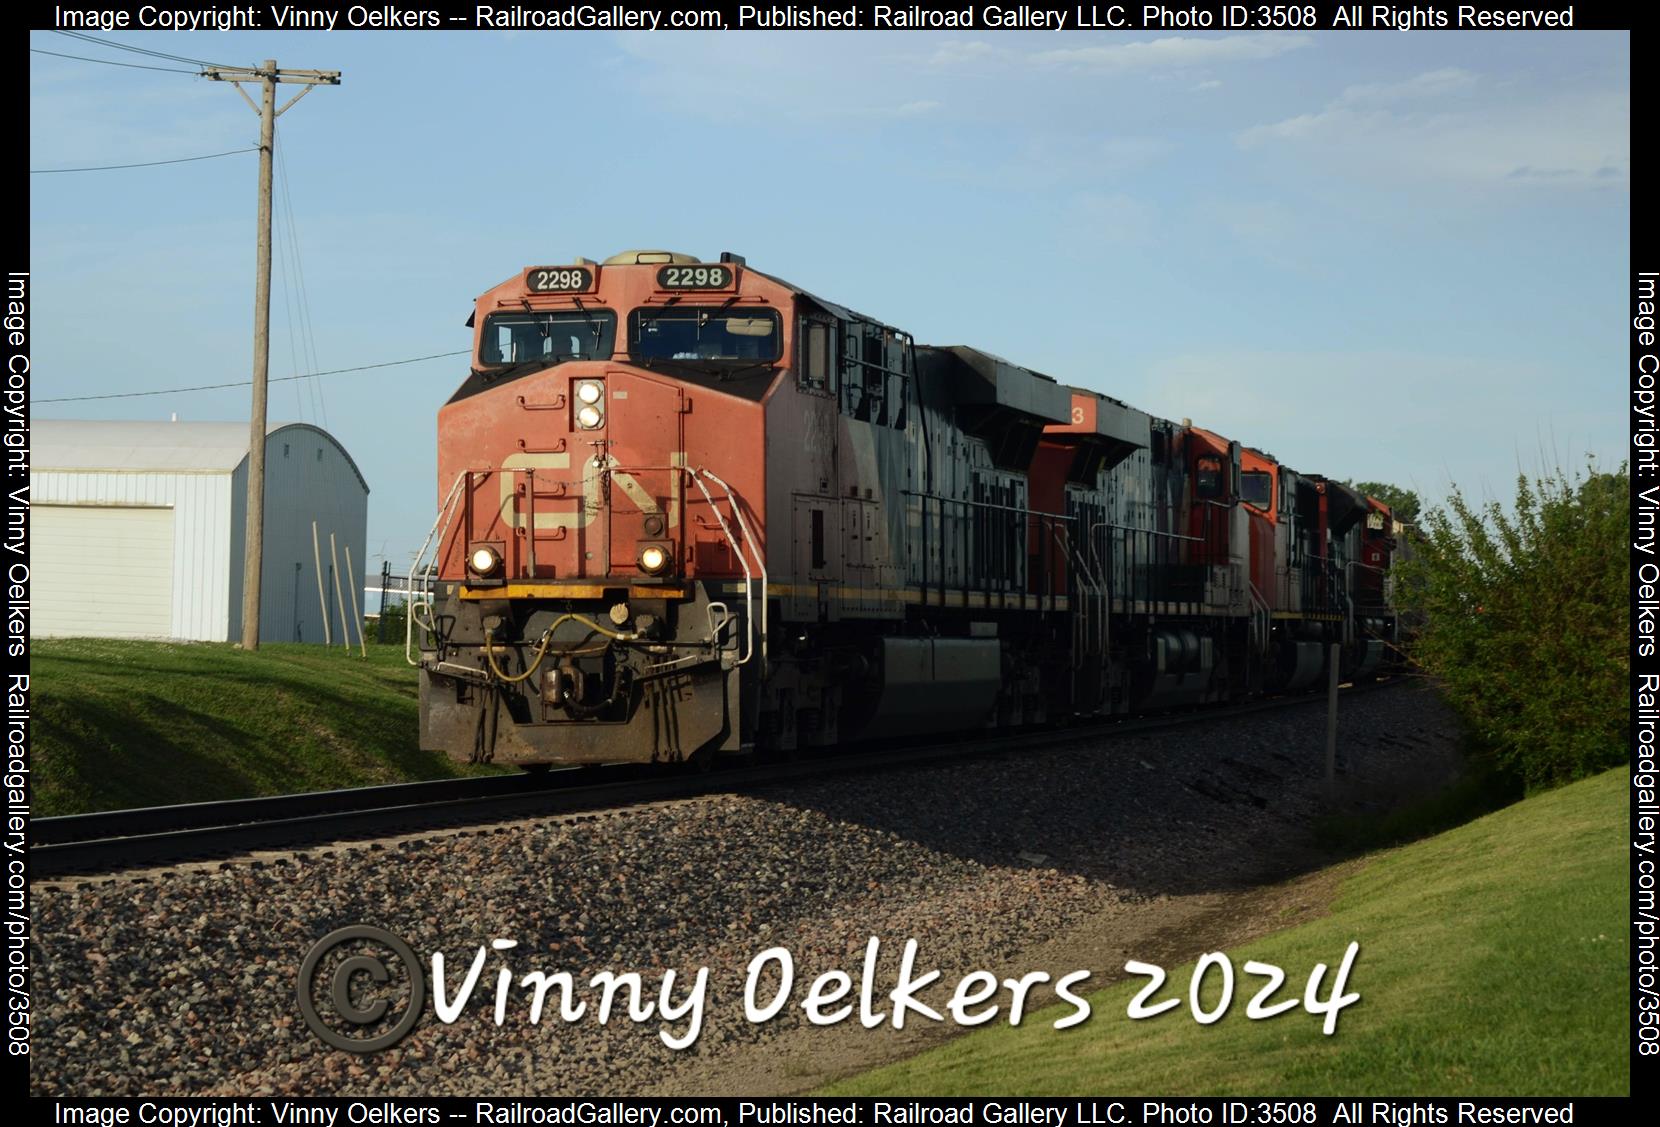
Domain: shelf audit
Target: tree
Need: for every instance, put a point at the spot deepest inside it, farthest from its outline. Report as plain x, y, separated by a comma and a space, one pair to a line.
1403, 503
1526, 620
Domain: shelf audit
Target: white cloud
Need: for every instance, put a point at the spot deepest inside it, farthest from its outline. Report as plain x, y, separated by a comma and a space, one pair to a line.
957, 52
1430, 84
1274, 233
1173, 53
1052, 162
805, 77
1438, 126
1111, 217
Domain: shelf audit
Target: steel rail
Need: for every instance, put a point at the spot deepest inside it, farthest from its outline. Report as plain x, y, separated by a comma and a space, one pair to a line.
117, 840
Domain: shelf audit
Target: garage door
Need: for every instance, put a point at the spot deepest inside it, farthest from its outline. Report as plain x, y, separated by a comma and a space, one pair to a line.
101, 571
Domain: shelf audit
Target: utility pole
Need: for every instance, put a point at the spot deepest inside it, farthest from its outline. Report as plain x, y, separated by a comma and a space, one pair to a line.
254, 545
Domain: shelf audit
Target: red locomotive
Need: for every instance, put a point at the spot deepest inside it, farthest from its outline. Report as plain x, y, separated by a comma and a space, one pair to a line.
688, 509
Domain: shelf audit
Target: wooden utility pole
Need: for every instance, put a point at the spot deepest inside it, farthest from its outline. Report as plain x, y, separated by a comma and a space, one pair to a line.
254, 544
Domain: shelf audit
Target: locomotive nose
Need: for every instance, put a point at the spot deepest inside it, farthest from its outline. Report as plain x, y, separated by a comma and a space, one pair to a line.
592, 484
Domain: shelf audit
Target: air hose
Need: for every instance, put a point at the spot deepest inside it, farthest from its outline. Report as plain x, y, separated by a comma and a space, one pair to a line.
542, 646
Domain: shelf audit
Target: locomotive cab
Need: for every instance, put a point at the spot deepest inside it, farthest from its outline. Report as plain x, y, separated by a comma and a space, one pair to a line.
600, 551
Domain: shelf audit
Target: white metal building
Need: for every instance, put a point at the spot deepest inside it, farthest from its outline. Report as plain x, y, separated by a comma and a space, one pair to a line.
136, 530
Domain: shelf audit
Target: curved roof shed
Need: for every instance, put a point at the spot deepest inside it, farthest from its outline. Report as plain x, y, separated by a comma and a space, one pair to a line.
137, 529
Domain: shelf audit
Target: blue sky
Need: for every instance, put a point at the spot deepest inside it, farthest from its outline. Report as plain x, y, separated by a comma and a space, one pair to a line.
1387, 256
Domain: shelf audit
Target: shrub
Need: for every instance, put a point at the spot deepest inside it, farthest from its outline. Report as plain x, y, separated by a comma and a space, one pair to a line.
1403, 503
1526, 620
391, 622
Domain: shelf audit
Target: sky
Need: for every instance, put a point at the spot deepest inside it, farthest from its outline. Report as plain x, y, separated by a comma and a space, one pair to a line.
1381, 256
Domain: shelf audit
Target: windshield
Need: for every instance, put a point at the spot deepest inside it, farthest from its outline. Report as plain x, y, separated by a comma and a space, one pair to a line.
1257, 488
675, 333
518, 338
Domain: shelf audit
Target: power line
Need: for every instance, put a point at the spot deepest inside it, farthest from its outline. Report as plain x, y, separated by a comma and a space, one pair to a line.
293, 350
142, 164
295, 359
307, 335
109, 62
138, 50
245, 383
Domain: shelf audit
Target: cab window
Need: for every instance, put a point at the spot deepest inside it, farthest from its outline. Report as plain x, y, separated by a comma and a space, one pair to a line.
875, 366
519, 338
1207, 481
691, 334
817, 358
1257, 488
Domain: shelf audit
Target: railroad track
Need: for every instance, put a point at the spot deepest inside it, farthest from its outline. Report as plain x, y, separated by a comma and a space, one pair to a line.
125, 839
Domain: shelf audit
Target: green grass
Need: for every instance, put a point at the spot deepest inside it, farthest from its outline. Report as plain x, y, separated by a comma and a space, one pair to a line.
1481, 789
125, 724
1493, 961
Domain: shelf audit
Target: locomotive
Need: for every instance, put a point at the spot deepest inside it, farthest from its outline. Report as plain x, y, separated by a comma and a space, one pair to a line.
689, 510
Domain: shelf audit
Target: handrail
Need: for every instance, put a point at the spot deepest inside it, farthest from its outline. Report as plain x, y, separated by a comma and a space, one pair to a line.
697, 477
983, 505
1261, 618
1349, 623
1089, 577
1144, 531
1259, 611
445, 514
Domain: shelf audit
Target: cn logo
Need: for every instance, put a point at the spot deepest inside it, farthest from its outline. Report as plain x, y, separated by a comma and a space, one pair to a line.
593, 489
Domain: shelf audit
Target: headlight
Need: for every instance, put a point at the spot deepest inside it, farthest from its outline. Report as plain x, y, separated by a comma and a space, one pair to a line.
588, 418
653, 559
590, 391
484, 560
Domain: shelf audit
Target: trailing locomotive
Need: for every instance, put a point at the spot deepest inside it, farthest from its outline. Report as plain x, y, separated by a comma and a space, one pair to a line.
688, 509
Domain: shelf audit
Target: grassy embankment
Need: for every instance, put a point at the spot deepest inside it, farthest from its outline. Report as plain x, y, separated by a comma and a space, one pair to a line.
125, 724
1493, 960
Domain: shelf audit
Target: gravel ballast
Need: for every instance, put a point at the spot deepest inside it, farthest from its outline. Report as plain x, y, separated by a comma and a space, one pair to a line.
184, 983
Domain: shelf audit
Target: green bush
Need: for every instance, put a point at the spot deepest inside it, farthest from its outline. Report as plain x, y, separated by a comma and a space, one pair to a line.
1403, 503
1526, 620
391, 622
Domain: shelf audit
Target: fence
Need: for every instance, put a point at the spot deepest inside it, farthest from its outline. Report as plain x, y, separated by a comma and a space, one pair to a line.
394, 603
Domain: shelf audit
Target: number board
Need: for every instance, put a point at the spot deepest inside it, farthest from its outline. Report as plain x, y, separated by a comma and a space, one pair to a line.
699, 277
558, 279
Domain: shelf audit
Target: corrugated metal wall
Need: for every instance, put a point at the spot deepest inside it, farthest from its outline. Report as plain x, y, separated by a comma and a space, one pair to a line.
201, 535
308, 477
126, 592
